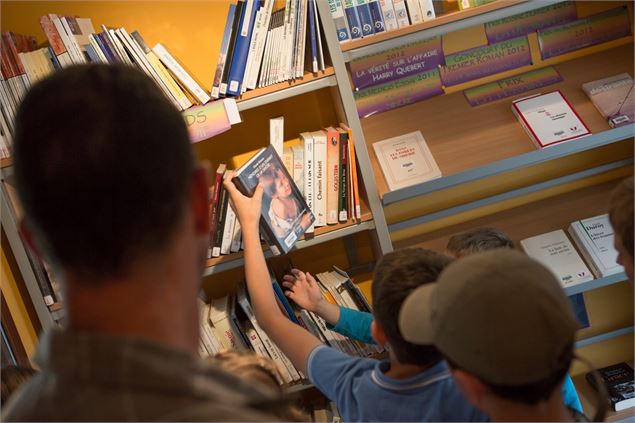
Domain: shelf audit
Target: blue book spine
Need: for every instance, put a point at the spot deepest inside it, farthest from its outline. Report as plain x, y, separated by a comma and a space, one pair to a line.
285, 302
53, 58
105, 46
364, 18
579, 308
337, 12
314, 53
353, 19
376, 16
222, 56
241, 50
92, 54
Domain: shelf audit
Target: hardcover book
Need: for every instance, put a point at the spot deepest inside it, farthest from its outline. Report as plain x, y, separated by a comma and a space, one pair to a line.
613, 97
555, 251
285, 216
406, 160
549, 119
620, 384
594, 238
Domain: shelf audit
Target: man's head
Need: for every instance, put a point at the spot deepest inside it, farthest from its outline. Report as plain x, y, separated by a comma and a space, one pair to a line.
104, 169
621, 216
396, 275
502, 320
478, 240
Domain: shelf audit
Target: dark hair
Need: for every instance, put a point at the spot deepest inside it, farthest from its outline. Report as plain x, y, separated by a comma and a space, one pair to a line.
621, 213
531, 393
396, 275
12, 378
478, 240
103, 166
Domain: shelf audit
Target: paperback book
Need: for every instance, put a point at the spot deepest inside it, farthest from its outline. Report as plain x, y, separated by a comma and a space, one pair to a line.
613, 97
620, 385
594, 238
285, 215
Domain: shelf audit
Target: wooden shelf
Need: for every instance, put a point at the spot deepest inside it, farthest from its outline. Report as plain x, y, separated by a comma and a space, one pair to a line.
588, 398
280, 91
463, 138
6, 162
322, 234
445, 23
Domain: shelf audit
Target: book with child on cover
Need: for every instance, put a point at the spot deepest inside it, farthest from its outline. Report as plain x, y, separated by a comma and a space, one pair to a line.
285, 215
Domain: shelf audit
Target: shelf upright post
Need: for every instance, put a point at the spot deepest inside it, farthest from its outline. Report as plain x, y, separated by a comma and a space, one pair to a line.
350, 110
17, 247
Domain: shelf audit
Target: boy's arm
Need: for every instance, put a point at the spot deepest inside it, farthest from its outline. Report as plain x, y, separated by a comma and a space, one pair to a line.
294, 341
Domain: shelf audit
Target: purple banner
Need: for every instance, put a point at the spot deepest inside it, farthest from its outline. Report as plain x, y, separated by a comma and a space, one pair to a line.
512, 86
584, 32
487, 60
396, 63
524, 23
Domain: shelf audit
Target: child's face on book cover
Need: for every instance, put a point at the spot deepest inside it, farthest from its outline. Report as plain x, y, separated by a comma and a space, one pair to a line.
282, 185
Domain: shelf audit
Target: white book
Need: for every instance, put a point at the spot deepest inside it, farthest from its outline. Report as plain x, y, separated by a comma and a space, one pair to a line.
406, 160
298, 166
320, 178
236, 237
319, 37
181, 74
272, 349
100, 53
414, 11
251, 52
302, 49
259, 348
401, 13
228, 230
555, 251
594, 237
121, 51
68, 38
549, 119
276, 134
204, 336
427, 10
260, 44
28, 67
390, 20
224, 330
309, 175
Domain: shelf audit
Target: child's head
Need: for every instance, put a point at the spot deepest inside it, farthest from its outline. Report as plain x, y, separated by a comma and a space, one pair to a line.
12, 378
477, 240
262, 371
502, 321
396, 275
621, 216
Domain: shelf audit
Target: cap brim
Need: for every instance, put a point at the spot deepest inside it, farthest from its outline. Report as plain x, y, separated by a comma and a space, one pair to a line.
415, 321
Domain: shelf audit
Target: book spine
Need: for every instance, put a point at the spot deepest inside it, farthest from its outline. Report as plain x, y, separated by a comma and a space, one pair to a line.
180, 73
276, 134
333, 175
236, 238
377, 16
309, 175
121, 51
343, 180
388, 11
92, 38
241, 49
260, 47
401, 13
72, 40
414, 11
214, 209
319, 40
298, 168
352, 18
222, 56
312, 36
228, 229
284, 302
251, 51
584, 248
220, 225
365, 18
320, 185
427, 10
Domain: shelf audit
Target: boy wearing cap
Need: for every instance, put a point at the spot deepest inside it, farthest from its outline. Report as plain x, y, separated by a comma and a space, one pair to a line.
414, 385
507, 329
621, 217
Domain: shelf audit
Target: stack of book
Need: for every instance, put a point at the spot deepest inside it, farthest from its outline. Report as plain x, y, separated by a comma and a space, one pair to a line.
263, 45
323, 169
619, 380
229, 323
73, 40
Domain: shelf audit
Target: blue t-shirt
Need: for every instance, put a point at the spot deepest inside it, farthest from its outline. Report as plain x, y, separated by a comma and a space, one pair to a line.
362, 392
356, 324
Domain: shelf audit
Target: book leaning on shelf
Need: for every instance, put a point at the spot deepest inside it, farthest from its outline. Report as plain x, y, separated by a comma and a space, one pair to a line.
613, 97
594, 237
620, 385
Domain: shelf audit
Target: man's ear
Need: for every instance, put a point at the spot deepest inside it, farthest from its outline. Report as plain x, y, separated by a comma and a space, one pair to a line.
471, 387
377, 332
199, 198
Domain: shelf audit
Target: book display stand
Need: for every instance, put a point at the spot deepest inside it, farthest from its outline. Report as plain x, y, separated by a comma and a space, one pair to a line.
492, 174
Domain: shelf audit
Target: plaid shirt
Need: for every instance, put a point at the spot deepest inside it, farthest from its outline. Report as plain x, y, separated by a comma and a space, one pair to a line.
93, 377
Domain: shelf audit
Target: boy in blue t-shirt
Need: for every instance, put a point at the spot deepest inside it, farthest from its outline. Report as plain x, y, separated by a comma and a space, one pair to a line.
357, 325
413, 385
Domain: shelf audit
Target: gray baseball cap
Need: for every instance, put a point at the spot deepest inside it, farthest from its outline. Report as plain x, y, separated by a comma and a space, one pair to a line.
499, 315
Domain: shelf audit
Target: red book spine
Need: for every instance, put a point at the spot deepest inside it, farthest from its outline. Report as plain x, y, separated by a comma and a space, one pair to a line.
53, 36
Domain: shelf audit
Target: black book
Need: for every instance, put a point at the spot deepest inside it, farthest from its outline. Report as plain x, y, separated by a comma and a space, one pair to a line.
620, 385
342, 203
285, 216
223, 203
230, 48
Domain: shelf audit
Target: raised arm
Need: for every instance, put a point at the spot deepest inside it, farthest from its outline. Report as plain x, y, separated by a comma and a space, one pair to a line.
294, 341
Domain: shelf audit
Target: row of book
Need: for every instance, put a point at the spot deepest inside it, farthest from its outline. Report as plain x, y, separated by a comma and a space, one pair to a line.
322, 168
263, 45
363, 18
229, 323
593, 237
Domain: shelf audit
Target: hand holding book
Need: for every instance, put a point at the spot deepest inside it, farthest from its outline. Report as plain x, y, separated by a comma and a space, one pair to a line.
247, 208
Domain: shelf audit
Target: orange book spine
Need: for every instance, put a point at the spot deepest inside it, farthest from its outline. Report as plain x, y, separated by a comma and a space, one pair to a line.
356, 211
